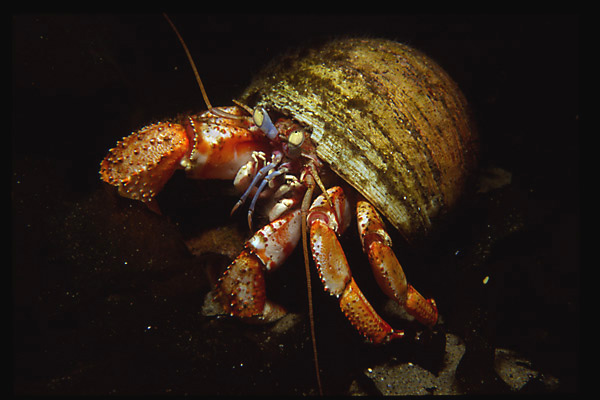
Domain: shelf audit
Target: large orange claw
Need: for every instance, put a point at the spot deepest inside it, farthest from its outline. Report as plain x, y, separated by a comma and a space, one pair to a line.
212, 145
144, 161
386, 268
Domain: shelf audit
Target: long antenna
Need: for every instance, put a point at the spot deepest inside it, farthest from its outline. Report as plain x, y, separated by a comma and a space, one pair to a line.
305, 205
191, 60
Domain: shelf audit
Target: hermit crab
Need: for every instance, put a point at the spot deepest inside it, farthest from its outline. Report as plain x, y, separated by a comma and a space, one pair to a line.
378, 114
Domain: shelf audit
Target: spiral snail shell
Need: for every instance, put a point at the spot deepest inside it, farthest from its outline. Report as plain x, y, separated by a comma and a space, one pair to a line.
384, 117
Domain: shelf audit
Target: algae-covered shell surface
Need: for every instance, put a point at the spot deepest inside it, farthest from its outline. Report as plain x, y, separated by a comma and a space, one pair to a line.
385, 117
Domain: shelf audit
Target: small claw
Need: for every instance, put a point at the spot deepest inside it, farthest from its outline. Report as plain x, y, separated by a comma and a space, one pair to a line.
273, 243
241, 290
144, 161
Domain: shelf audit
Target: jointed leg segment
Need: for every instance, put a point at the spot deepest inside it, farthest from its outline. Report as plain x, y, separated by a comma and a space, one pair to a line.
241, 289
325, 224
386, 268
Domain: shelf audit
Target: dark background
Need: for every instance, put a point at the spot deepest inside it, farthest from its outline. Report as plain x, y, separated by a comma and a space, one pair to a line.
106, 297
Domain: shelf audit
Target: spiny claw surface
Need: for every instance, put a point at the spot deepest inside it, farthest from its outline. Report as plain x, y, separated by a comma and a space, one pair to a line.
363, 316
241, 290
144, 161
211, 145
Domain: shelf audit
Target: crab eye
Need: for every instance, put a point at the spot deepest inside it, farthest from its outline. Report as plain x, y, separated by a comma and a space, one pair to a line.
295, 140
263, 121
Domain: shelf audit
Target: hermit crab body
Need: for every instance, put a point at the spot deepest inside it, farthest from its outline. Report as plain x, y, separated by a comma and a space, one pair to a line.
382, 116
